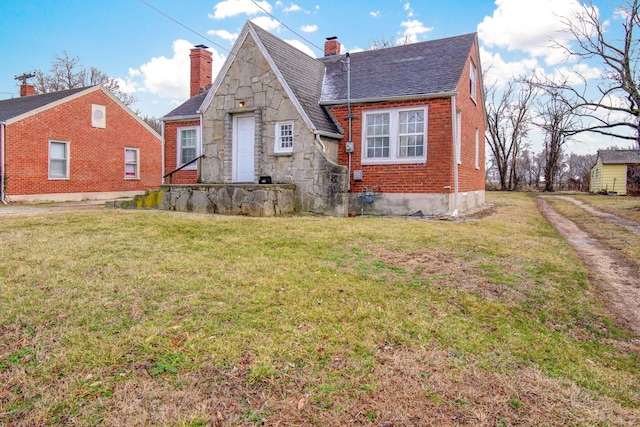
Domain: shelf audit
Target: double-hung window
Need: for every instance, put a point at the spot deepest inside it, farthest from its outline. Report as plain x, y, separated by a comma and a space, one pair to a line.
131, 163
473, 81
58, 160
188, 146
284, 137
395, 136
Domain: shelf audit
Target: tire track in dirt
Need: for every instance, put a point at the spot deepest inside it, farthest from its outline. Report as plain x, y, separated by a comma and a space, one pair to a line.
621, 289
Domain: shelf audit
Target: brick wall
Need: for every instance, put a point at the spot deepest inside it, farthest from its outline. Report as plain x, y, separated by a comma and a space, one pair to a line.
96, 155
431, 177
171, 153
437, 175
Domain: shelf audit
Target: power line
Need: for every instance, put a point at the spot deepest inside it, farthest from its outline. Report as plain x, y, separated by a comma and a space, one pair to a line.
286, 26
200, 35
184, 26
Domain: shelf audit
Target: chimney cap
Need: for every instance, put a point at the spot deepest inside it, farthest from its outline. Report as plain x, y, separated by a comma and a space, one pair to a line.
332, 38
201, 46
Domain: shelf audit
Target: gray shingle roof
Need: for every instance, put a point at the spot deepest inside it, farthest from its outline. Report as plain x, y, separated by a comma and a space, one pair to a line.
303, 74
189, 108
10, 108
426, 68
619, 157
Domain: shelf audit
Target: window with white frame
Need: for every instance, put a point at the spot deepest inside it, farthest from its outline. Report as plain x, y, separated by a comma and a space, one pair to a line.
131, 163
58, 159
395, 136
473, 80
188, 146
284, 137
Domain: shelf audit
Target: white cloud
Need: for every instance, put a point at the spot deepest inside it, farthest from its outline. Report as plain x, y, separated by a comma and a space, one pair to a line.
529, 27
407, 7
293, 8
228, 8
498, 71
169, 77
309, 28
374, 14
223, 34
413, 28
301, 46
266, 23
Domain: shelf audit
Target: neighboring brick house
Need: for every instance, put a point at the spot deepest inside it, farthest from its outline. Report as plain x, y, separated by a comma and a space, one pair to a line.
392, 131
182, 127
616, 172
76, 144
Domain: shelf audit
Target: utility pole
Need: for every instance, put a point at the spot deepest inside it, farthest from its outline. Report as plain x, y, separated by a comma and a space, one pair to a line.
23, 78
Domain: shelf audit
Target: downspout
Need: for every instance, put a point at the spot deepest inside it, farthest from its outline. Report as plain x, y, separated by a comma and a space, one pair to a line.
162, 151
349, 117
455, 155
199, 162
2, 134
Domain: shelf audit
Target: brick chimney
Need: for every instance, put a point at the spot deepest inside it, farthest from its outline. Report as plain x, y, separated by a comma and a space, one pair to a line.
331, 46
27, 90
201, 61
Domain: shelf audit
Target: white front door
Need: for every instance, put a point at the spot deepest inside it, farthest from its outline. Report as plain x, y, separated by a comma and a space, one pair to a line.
243, 148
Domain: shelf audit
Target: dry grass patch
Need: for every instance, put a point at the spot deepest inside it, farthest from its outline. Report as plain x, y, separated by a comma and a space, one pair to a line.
157, 318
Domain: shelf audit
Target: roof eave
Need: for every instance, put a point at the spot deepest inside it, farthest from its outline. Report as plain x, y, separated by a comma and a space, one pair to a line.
180, 118
390, 98
327, 134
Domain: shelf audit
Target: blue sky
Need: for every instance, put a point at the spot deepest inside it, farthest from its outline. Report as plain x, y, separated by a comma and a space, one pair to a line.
129, 40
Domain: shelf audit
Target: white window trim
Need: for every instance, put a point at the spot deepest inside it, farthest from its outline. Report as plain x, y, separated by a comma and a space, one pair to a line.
137, 151
67, 145
194, 165
277, 148
473, 84
394, 137
477, 151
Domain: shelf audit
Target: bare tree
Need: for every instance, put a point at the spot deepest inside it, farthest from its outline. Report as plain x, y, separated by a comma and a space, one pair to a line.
67, 73
508, 122
615, 110
384, 42
557, 119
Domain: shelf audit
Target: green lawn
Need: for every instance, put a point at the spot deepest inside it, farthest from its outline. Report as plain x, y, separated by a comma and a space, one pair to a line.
162, 318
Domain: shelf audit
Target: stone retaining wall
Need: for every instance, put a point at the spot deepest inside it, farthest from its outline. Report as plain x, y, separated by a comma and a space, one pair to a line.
231, 199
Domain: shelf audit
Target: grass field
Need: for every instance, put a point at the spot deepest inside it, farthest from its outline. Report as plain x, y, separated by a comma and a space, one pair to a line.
125, 318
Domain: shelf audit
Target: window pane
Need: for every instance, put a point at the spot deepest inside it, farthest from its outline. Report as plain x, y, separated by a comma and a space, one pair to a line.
130, 156
377, 124
130, 170
58, 150
286, 135
58, 168
411, 146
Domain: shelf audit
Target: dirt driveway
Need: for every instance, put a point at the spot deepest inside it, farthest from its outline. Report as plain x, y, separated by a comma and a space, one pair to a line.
621, 290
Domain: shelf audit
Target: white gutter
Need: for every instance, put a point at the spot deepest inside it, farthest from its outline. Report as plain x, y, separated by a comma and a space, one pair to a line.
162, 150
455, 154
2, 171
199, 161
390, 98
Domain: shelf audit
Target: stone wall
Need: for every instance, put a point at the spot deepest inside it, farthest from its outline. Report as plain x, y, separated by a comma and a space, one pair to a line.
230, 199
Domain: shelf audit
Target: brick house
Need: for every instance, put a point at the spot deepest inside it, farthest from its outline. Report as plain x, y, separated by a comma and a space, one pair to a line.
393, 131
182, 127
76, 144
